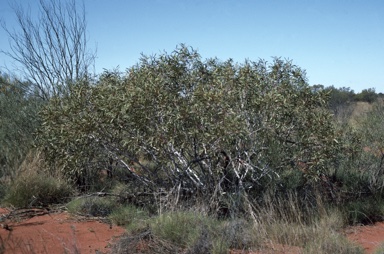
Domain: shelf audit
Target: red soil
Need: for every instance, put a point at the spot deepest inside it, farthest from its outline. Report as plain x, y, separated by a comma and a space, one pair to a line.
370, 237
61, 233
57, 233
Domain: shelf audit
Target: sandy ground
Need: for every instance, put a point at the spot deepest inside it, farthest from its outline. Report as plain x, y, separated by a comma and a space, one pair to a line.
370, 237
40, 231
56, 233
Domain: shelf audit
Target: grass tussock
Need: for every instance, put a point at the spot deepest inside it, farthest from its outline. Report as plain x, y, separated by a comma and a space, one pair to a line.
287, 223
35, 186
92, 206
189, 231
129, 216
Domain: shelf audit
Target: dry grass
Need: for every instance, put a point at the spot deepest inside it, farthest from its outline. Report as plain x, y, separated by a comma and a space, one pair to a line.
34, 185
278, 222
311, 230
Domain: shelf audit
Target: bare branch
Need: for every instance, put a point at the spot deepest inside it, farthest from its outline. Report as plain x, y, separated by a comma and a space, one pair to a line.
51, 50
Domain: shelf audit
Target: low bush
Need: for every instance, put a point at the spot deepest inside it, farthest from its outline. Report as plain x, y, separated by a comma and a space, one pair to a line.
239, 234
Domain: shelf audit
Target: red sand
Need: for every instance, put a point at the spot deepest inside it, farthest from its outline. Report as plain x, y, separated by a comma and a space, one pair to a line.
57, 233
370, 237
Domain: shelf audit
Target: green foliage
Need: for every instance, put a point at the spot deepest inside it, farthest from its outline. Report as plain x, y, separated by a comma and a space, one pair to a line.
18, 122
372, 128
181, 228
33, 190
209, 127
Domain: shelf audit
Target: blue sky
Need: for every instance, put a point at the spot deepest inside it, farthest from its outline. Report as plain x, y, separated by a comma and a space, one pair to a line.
338, 42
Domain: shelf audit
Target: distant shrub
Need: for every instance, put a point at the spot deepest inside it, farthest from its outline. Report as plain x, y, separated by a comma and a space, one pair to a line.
368, 95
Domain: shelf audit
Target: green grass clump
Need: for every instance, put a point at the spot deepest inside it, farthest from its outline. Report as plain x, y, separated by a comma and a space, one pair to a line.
92, 206
128, 215
181, 228
34, 185
199, 233
37, 190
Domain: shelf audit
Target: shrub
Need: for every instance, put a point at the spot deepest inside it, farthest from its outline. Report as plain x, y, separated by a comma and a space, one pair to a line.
203, 234
177, 122
239, 234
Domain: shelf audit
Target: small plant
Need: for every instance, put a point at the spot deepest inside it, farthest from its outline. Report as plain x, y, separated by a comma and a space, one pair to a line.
128, 215
181, 228
92, 206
